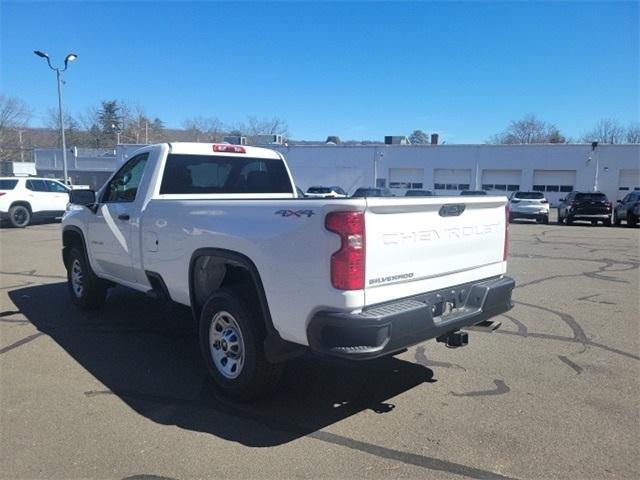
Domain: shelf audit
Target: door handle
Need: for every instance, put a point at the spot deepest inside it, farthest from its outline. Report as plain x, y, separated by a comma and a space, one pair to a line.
123, 216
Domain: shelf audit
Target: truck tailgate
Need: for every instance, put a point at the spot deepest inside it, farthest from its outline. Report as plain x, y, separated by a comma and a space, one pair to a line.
420, 244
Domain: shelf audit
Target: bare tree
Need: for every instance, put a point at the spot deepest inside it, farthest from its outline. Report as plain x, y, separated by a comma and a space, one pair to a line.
633, 133
607, 130
258, 126
529, 129
14, 114
204, 129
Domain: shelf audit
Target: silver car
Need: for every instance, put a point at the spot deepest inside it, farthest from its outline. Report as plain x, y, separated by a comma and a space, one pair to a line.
530, 205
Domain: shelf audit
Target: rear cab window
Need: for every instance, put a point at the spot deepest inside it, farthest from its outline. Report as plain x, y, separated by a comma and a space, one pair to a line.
209, 174
8, 184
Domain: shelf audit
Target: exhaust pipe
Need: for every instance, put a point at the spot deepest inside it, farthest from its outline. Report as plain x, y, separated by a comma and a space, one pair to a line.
487, 326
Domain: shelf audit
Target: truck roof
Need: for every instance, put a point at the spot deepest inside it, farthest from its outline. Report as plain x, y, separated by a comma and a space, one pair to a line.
193, 148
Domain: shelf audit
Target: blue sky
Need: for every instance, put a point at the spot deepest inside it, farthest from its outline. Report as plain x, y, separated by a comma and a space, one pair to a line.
359, 70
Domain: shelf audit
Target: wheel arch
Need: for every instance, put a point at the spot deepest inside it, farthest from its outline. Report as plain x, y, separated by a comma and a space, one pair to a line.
72, 236
22, 203
227, 266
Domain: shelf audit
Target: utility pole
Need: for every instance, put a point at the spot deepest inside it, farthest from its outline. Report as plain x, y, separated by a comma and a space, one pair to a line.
146, 133
20, 132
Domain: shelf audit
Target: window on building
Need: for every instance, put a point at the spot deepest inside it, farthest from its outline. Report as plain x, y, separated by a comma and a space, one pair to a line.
487, 186
451, 186
416, 185
501, 187
513, 188
553, 188
438, 186
538, 188
463, 186
566, 188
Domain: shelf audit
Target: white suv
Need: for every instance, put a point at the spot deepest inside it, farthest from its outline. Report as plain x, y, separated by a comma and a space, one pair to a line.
532, 205
326, 192
23, 199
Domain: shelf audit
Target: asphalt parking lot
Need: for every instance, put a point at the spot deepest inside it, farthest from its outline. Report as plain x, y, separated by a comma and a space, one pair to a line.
122, 393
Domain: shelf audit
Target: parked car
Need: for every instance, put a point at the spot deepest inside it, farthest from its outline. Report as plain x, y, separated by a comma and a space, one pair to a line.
473, 192
23, 199
627, 209
593, 207
530, 205
326, 192
219, 229
418, 193
372, 192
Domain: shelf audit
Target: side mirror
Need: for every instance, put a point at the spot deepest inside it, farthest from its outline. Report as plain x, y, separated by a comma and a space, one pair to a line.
85, 198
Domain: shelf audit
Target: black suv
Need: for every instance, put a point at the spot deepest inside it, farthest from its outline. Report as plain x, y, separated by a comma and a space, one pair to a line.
593, 207
628, 209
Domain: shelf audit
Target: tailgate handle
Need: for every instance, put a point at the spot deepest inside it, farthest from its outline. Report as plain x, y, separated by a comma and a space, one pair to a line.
452, 210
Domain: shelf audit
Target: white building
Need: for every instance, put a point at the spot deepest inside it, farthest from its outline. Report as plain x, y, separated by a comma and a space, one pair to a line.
447, 169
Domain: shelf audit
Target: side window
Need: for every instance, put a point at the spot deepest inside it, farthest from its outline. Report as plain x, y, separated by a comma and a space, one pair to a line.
123, 187
37, 186
55, 187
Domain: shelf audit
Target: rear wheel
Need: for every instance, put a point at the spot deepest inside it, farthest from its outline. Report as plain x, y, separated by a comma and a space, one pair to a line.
545, 219
594, 222
607, 222
632, 220
19, 216
87, 291
231, 341
560, 218
569, 220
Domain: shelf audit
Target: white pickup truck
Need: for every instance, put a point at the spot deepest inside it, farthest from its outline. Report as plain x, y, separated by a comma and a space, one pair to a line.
269, 276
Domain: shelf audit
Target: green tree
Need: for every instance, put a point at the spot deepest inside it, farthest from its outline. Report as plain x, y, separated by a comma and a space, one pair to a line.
418, 137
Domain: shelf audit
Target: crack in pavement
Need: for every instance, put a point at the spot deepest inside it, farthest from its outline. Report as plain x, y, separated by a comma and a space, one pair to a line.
501, 388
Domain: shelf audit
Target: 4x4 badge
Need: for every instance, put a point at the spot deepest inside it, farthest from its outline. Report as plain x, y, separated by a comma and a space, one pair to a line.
295, 213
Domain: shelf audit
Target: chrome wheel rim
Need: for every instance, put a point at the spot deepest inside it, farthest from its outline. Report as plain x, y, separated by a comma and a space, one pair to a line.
226, 345
77, 278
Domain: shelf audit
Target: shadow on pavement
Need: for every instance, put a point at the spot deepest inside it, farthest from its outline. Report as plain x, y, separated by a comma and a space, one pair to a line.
147, 354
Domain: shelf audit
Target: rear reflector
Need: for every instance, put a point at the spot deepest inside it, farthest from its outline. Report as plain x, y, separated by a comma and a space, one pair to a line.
229, 148
348, 263
505, 251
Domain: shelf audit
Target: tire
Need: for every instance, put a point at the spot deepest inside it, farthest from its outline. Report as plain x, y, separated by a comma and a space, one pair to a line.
545, 219
87, 291
19, 216
569, 220
560, 219
607, 222
510, 218
231, 335
632, 220
594, 223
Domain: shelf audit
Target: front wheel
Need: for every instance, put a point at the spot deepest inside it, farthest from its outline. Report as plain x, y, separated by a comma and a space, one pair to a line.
616, 219
231, 341
632, 220
607, 222
87, 291
19, 216
545, 219
569, 220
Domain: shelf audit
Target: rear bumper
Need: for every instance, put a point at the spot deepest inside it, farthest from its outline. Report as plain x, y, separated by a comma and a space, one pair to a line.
530, 214
590, 216
389, 327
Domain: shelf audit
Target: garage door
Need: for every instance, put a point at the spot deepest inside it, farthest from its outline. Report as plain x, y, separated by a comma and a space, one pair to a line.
448, 181
501, 180
554, 183
403, 179
628, 180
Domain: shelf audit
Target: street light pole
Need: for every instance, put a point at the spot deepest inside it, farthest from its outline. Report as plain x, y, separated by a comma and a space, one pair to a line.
64, 142
69, 58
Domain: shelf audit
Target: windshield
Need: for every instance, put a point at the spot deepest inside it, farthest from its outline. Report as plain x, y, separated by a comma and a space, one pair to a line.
529, 195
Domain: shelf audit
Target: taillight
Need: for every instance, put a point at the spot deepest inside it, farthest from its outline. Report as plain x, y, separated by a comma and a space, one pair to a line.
544, 201
607, 204
229, 148
505, 251
347, 264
